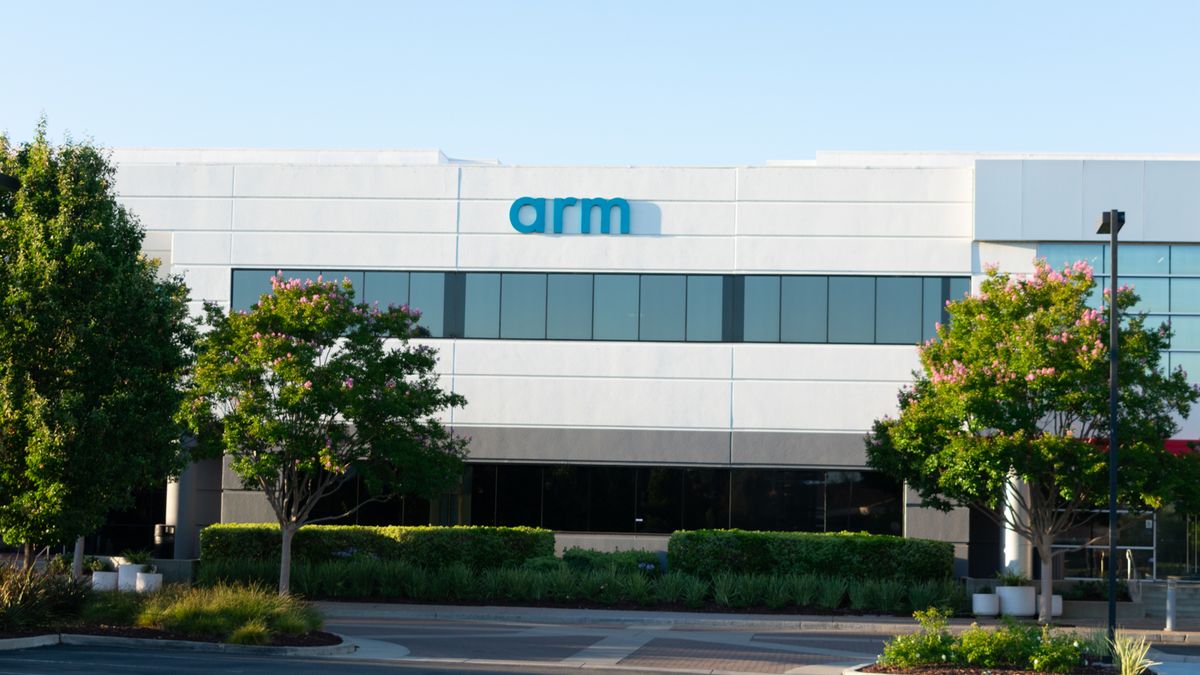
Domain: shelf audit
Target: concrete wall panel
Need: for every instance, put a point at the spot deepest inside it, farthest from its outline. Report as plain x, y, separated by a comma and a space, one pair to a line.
880, 255
346, 182
173, 214
825, 184
347, 215
648, 183
325, 250
857, 219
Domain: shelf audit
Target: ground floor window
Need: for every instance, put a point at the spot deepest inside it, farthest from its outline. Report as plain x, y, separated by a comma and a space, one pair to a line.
583, 498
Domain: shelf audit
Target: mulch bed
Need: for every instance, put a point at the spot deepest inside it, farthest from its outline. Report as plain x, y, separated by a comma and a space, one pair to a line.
314, 639
964, 670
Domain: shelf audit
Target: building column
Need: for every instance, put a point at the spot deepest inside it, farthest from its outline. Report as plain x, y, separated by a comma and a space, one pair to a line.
1017, 550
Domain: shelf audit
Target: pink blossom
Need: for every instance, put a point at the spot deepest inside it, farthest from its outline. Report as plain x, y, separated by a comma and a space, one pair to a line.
391, 383
308, 384
349, 383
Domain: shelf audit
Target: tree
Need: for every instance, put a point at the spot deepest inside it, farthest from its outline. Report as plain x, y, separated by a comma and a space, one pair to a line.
1016, 387
308, 390
92, 346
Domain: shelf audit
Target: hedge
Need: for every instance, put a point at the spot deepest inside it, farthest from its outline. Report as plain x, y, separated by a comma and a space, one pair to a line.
861, 556
475, 547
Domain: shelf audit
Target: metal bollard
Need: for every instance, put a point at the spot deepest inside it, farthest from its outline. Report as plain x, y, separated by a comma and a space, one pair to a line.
1170, 605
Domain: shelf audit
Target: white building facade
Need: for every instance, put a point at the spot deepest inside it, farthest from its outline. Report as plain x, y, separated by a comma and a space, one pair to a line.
706, 348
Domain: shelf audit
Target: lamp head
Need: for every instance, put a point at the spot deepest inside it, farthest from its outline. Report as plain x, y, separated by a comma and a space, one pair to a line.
1106, 222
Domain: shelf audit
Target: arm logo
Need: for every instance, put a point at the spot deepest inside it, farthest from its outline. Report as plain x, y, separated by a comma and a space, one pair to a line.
528, 215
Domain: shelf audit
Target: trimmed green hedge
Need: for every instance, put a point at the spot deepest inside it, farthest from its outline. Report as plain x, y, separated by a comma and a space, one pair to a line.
475, 547
861, 556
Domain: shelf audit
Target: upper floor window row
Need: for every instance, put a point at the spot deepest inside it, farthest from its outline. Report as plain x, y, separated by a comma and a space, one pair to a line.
650, 307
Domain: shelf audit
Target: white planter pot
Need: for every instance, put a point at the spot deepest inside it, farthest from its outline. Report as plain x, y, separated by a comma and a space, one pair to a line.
104, 581
148, 582
127, 577
985, 604
1017, 600
1055, 605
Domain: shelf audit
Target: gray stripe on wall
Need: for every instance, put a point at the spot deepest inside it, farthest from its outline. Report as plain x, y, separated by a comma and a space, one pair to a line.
664, 447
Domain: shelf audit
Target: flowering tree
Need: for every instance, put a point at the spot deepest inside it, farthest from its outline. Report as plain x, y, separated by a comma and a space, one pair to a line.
1016, 387
308, 390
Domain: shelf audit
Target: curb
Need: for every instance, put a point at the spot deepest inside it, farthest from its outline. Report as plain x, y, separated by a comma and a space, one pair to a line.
9, 644
1168, 657
346, 647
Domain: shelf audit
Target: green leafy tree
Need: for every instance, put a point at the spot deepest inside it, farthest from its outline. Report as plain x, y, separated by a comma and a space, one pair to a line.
308, 390
92, 346
1016, 387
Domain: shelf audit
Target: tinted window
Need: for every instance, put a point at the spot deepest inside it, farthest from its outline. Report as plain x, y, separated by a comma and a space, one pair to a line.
1153, 294
612, 499
523, 304
386, 288
898, 310
705, 499
616, 307
1142, 259
705, 307
248, 287
481, 306
662, 307
933, 302
804, 309
659, 499
1185, 259
519, 495
480, 481
858, 501
959, 287
566, 502
302, 275
1061, 255
852, 309
569, 307
427, 294
1187, 332
778, 500
760, 309
1185, 295
1190, 362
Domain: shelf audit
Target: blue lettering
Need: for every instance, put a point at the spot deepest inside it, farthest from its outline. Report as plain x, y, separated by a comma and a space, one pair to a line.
606, 206
539, 213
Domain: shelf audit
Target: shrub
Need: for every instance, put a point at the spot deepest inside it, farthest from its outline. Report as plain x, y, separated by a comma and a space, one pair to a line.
804, 588
222, 611
778, 592
671, 587
860, 556
33, 599
724, 587
831, 591
1056, 653
646, 562
475, 547
1129, 654
543, 563
932, 644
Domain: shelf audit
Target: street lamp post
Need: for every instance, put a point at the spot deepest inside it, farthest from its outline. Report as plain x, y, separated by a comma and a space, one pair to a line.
1110, 224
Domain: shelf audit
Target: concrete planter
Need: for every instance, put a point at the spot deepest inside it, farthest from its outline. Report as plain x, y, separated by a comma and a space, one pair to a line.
127, 576
1017, 600
1098, 609
1056, 605
148, 582
985, 604
104, 581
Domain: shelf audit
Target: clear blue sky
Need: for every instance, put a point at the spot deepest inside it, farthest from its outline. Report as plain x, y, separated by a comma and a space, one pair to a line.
566, 82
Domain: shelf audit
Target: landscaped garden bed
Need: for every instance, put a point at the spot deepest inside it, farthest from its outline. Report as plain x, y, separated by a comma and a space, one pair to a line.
36, 602
1013, 649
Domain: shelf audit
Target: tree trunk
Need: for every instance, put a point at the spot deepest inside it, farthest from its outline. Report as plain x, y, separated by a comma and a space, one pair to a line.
27, 562
1046, 609
286, 531
77, 560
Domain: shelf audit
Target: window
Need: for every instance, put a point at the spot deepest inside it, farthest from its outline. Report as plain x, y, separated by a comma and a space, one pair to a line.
804, 309
1185, 295
705, 308
385, 288
338, 276
1141, 259
1059, 256
427, 294
616, 307
662, 307
569, 307
248, 287
673, 307
523, 299
481, 306
1185, 259
760, 309
1153, 293
898, 310
852, 309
